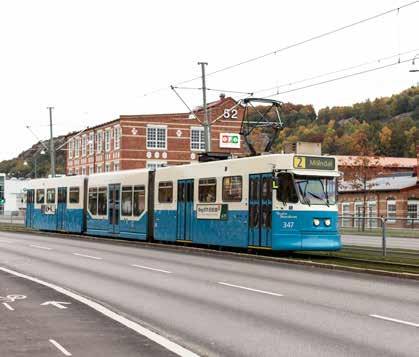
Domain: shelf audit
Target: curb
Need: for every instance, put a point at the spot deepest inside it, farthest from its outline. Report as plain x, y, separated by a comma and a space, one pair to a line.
205, 251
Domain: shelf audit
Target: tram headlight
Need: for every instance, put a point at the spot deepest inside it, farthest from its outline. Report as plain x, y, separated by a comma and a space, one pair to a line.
316, 222
327, 222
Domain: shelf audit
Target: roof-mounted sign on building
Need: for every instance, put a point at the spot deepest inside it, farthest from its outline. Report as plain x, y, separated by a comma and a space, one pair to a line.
230, 140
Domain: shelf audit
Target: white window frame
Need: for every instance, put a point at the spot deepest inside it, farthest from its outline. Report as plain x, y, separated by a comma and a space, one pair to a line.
108, 167
99, 168
155, 143
108, 137
154, 164
116, 166
83, 170
391, 219
76, 147
117, 137
83, 145
412, 202
200, 144
346, 220
70, 148
99, 141
91, 170
91, 143
371, 223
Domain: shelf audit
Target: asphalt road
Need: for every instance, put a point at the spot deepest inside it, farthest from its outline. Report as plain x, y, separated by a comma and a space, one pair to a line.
223, 306
39, 321
371, 241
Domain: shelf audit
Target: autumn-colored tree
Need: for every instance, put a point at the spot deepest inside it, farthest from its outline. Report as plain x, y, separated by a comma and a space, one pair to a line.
385, 140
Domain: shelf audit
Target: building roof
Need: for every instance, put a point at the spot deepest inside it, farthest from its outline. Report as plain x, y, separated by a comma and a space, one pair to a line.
397, 162
387, 183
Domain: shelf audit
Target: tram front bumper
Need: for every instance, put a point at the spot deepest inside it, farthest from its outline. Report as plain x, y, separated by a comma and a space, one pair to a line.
307, 241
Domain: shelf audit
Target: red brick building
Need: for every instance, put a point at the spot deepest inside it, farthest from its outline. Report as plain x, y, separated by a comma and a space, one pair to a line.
394, 194
138, 141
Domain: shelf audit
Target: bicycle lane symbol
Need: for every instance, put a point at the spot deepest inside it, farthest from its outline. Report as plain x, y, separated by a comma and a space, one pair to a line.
11, 298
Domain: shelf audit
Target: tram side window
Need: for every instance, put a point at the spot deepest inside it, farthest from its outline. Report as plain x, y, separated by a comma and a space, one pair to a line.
102, 201
74, 195
93, 201
139, 200
286, 190
40, 196
207, 190
232, 189
51, 195
166, 192
126, 201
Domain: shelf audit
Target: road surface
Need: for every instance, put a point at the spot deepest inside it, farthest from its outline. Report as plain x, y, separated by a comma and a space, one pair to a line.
223, 306
371, 241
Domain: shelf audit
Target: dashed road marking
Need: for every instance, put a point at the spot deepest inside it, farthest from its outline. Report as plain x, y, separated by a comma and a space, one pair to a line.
87, 256
40, 247
154, 269
250, 289
153, 336
8, 306
395, 320
61, 348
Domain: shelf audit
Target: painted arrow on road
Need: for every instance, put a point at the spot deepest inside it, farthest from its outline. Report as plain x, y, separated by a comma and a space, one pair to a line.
59, 304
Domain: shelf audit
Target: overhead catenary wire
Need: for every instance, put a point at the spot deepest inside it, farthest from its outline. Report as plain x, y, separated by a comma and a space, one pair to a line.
290, 46
338, 78
378, 60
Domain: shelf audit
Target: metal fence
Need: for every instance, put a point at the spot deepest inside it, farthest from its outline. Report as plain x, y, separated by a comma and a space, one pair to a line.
13, 217
400, 232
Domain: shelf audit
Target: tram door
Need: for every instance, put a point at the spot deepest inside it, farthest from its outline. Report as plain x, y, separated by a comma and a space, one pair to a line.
184, 209
61, 208
114, 204
260, 210
30, 200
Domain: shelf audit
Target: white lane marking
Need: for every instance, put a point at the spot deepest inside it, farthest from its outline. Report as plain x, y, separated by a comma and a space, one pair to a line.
61, 348
153, 336
58, 304
395, 320
86, 256
40, 247
154, 269
8, 306
250, 289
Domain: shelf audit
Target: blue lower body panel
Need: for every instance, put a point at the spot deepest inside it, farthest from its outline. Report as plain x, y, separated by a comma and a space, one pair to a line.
73, 221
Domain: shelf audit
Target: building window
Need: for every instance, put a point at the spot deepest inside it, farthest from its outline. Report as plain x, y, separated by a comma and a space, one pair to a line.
107, 167
74, 195
91, 143
346, 211
83, 145
99, 141
116, 166
99, 169
232, 189
77, 147
83, 171
70, 148
108, 140
91, 170
156, 137
207, 190
391, 211
153, 165
412, 211
76, 171
166, 192
197, 139
117, 137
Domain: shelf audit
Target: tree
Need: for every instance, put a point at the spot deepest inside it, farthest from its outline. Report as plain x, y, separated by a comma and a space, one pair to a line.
385, 140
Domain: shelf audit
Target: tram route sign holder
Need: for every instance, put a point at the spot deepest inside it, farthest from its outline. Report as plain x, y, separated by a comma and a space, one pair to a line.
314, 163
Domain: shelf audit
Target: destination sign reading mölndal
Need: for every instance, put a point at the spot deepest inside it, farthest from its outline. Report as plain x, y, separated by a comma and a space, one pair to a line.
314, 163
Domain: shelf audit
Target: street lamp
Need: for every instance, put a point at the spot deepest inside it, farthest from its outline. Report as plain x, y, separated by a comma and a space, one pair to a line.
42, 152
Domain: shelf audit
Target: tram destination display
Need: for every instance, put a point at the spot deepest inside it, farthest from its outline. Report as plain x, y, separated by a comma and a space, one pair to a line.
211, 211
314, 163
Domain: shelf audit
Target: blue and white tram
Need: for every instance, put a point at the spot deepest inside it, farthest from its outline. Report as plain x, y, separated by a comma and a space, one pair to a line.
278, 201
56, 204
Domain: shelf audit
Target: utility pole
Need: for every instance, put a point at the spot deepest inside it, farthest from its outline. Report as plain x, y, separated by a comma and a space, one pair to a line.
51, 143
207, 126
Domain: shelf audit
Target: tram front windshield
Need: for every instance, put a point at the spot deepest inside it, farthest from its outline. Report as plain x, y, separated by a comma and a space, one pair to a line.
315, 190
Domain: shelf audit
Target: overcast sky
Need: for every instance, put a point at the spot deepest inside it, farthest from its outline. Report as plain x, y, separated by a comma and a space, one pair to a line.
94, 60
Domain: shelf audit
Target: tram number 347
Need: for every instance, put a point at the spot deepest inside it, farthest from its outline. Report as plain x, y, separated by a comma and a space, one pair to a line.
287, 224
